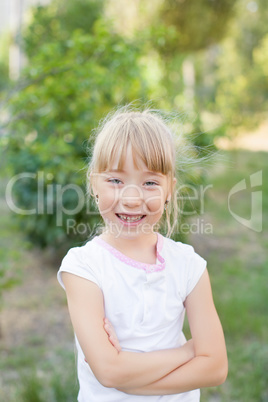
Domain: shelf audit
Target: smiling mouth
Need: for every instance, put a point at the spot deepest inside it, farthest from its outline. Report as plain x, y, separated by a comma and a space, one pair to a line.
130, 218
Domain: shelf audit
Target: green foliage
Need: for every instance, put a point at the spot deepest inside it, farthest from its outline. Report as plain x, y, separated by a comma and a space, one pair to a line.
65, 389
7, 278
4, 73
10, 254
31, 389
227, 46
240, 75
71, 82
66, 89
80, 68
39, 378
249, 371
237, 263
188, 26
56, 21
58, 387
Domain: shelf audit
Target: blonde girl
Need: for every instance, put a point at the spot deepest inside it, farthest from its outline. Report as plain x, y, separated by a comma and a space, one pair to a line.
128, 288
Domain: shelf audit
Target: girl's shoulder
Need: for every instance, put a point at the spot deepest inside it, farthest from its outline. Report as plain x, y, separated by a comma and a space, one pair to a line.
178, 246
82, 261
182, 254
184, 263
88, 248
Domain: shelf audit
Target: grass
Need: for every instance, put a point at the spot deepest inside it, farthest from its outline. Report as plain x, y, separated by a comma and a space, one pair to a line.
30, 369
237, 263
30, 375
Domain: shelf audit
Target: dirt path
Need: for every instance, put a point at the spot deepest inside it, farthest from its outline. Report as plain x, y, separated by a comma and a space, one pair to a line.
36, 309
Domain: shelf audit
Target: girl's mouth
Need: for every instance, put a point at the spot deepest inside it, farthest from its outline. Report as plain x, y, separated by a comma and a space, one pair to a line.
130, 218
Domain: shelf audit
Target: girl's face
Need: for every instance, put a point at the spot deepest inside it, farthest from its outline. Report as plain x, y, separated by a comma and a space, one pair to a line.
131, 200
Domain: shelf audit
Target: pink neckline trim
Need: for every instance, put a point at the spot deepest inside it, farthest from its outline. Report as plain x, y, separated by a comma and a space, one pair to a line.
148, 268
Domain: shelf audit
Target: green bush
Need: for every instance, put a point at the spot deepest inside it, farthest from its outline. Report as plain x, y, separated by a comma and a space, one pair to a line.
75, 75
67, 88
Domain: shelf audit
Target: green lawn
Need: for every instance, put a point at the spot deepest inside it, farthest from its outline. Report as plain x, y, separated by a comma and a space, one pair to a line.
238, 267
37, 362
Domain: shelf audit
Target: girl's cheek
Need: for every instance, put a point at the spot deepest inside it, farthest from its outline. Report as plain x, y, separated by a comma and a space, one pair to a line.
154, 205
107, 203
155, 201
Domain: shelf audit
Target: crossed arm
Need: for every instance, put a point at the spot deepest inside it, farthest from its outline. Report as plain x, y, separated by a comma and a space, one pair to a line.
201, 362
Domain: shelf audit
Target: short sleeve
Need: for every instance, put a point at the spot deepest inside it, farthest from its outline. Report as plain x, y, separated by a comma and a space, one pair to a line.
196, 267
77, 262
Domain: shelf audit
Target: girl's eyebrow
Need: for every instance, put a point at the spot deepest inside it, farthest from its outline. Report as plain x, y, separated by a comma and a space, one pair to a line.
154, 173
145, 171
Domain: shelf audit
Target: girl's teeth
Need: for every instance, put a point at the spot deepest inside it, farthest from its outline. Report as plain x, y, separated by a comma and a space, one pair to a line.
129, 218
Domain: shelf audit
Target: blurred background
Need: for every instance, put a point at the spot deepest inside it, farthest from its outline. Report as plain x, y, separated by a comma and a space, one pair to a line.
63, 66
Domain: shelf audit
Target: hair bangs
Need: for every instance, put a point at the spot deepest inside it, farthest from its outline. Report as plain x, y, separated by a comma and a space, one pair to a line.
148, 146
146, 142
110, 149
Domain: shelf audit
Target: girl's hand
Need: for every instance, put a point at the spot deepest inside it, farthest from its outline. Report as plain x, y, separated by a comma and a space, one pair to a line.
109, 329
189, 347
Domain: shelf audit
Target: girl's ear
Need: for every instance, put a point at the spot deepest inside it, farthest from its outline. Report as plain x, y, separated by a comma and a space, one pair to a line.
93, 184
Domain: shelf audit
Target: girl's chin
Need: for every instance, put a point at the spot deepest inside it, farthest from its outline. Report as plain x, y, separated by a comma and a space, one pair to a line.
129, 229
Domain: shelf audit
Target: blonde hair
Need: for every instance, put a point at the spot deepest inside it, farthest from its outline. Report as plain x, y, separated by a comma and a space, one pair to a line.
152, 141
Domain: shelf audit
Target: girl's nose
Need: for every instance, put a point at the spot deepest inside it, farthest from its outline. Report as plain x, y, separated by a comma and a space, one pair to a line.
131, 196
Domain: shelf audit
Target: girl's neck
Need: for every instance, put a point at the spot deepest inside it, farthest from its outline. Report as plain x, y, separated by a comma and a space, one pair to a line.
140, 248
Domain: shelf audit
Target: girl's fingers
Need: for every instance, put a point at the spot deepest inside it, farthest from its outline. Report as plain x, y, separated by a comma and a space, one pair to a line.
111, 334
112, 340
115, 343
106, 325
108, 329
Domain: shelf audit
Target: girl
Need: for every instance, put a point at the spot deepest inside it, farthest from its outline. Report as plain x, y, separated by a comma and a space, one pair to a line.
128, 288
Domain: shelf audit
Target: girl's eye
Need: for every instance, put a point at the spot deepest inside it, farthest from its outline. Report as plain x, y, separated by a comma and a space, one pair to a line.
150, 183
114, 181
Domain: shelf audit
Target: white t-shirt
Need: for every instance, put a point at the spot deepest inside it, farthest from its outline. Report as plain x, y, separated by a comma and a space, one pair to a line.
144, 303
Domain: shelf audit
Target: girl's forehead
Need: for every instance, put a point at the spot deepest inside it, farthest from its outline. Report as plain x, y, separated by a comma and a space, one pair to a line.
129, 158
